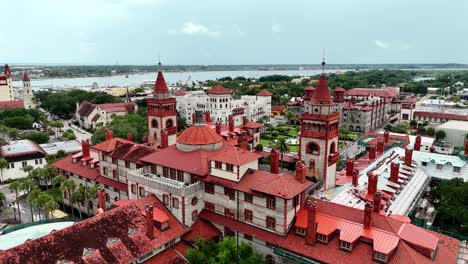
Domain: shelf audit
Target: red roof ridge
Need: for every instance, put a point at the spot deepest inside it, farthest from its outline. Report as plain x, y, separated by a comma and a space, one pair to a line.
219, 89
264, 92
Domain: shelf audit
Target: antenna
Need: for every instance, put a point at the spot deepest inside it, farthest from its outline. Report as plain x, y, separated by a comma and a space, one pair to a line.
323, 62
159, 60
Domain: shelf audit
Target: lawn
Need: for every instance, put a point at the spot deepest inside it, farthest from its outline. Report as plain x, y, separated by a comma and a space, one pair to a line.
55, 193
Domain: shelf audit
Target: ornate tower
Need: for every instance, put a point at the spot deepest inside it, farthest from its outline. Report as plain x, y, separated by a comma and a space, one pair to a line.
162, 114
318, 140
6, 85
27, 92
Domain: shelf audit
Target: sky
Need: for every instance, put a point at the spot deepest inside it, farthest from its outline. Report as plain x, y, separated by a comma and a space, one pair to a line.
207, 32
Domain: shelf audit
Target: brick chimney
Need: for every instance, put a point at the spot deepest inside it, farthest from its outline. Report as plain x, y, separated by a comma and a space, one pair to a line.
109, 134
417, 143
244, 120
301, 171
408, 157
145, 140
311, 222
231, 123
101, 194
394, 170
355, 178
207, 116
371, 183
274, 160
386, 136
149, 221
368, 208
349, 167
372, 152
164, 139
85, 150
380, 146
218, 128
377, 202
130, 137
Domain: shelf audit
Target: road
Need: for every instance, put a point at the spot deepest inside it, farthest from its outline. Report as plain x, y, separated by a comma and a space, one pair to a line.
23, 205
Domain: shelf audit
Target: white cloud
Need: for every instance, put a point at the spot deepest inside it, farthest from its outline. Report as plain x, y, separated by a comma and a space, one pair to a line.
191, 28
276, 28
381, 44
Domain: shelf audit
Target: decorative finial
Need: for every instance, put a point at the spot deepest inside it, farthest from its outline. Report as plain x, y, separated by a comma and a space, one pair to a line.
159, 61
323, 62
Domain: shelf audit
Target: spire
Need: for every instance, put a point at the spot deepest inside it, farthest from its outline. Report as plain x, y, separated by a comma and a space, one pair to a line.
7, 71
160, 86
321, 94
26, 77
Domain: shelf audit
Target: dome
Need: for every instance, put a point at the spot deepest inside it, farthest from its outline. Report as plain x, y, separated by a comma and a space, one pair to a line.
199, 136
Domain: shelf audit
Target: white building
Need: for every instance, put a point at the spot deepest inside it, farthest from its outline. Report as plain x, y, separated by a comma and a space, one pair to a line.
92, 116
455, 131
220, 104
27, 92
20, 154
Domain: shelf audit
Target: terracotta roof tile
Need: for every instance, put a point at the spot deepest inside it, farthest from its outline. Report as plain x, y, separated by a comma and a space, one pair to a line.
160, 86
218, 89
86, 108
253, 124
198, 135
4, 105
202, 229
321, 95
264, 92
383, 92
129, 107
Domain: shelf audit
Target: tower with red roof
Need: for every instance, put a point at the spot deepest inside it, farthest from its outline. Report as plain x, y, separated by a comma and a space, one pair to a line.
27, 92
319, 133
6, 85
161, 114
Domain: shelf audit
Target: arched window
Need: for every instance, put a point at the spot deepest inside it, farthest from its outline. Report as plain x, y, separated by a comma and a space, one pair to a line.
332, 148
65, 194
194, 201
154, 123
175, 202
107, 197
351, 128
194, 215
313, 148
358, 129
169, 123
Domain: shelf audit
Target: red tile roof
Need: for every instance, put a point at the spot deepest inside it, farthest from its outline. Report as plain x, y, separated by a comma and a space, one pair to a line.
198, 135
367, 108
264, 92
160, 86
339, 89
129, 107
131, 152
26, 77
278, 108
218, 89
86, 108
321, 95
77, 168
252, 124
171, 255
441, 115
309, 88
179, 93
4, 105
106, 234
234, 155
382, 92
111, 144
112, 183
202, 229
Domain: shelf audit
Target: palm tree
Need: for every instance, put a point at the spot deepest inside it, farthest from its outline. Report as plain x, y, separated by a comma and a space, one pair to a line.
16, 187
3, 165
58, 182
282, 147
48, 174
78, 197
289, 116
69, 186
2, 199
50, 206
32, 199
28, 169
440, 135
27, 185
90, 194
14, 133
41, 200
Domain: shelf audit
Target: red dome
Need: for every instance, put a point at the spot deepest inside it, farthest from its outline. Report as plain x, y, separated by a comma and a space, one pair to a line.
199, 135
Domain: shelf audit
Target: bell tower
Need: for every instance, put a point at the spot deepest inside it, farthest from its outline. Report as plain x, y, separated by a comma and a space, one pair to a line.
162, 114
27, 92
318, 140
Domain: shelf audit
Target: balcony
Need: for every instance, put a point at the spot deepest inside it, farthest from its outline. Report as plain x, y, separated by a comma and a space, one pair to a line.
333, 158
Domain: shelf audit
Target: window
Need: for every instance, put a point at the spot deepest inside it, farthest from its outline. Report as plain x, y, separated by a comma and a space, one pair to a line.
193, 178
133, 188
218, 165
115, 161
175, 203
269, 259
154, 123
209, 188
456, 169
116, 199
345, 245
230, 192
24, 164
40, 161
209, 206
104, 171
248, 237
248, 197
300, 231
173, 174
36, 162
11, 165
229, 167
248, 215
380, 256
229, 213
180, 176
114, 174
228, 232
166, 199
271, 202
194, 201
169, 123
424, 163
142, 191
322, 238
165, 172
107, 197
127, 164
313, 148
269, 245
439, 166
271, 223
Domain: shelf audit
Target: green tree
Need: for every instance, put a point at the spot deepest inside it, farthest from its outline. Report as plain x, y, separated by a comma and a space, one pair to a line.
58, 183
90, 193
430, 131
224, 252
38, 137
259, 147
14, 133
181, 123
28, 169
69, 186
282, 147
78, 198
49, 206
27, 185
289, 116
413, 123
32, 200
16, 187
440, 135
2, 199
3, 165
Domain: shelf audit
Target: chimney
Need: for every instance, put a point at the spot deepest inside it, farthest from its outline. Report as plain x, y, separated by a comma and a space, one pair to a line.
311, 222
371, 183
372, 152
386, 136
349, 167
301, 171
408, 157
85, 150
101, 199
109, 134
164, 139
244, 120
149, 221
274, 161
231, 123
394, 170
194, 119
380, 146
130, 137
377, 202
355, 178
145, 140
368, 208
218, 128
417, 143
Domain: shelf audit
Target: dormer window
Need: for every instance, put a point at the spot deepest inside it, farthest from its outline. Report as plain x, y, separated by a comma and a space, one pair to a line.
345, 245
322, 238
230, 167
380, 257
300, 231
